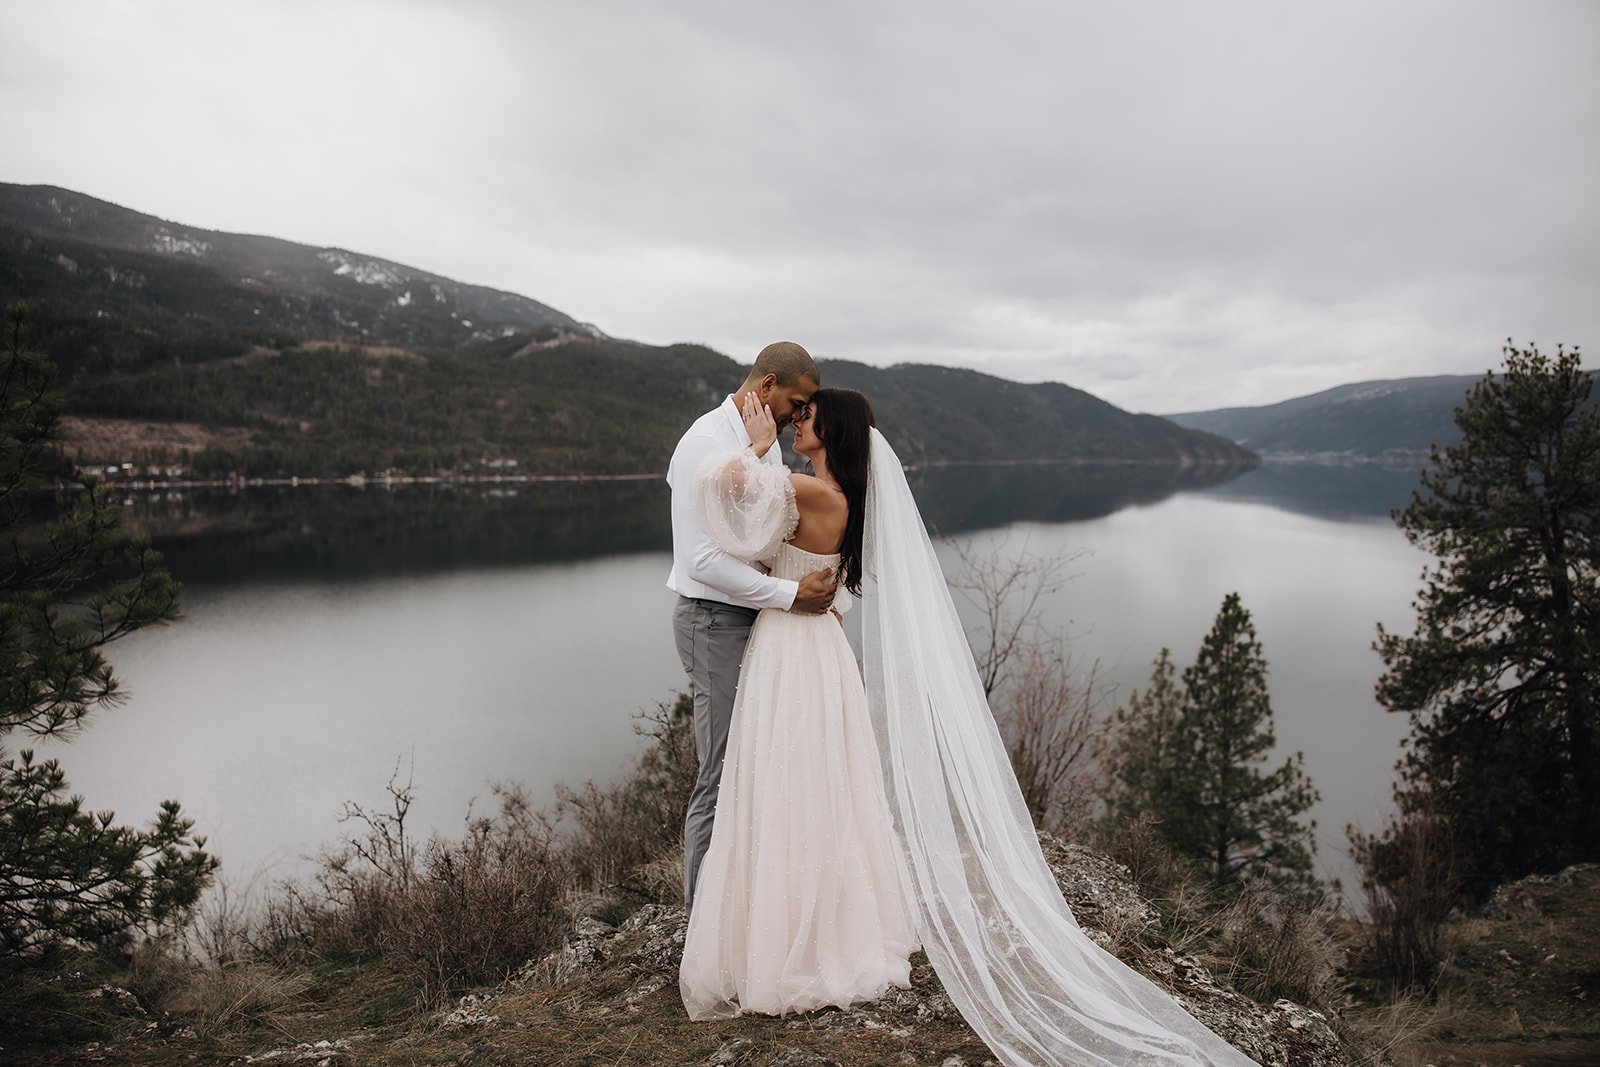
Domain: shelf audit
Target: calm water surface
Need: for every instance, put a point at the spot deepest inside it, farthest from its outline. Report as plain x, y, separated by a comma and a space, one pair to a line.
513, 634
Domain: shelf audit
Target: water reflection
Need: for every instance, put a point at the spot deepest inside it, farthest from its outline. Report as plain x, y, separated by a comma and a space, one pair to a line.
336, 533
1342, 494
987, 497
281, 533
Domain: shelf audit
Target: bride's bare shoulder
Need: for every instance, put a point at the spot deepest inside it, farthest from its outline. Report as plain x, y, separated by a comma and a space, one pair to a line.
813, 492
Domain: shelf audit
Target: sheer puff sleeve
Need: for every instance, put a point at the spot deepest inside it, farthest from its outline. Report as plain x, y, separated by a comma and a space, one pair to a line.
746, 505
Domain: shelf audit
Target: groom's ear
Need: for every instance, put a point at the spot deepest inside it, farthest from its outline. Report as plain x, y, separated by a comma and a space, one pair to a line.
766, 386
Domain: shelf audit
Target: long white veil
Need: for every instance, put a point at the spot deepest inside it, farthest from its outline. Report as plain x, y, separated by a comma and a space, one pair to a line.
988, 911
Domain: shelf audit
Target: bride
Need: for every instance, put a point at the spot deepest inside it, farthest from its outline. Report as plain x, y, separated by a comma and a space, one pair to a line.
798, 904
845, 835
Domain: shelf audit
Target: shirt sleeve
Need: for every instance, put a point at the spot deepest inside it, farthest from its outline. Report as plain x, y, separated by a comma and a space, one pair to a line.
705, 561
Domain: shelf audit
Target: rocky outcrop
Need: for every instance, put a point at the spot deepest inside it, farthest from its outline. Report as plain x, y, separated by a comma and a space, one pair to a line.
1518, 900
1108, 906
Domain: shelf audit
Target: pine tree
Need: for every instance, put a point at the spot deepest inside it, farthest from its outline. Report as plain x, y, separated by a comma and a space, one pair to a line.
1145, 732
1501, 676
1193, 759
67, 874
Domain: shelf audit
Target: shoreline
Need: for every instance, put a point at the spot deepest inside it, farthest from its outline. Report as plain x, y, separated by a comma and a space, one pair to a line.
148, 483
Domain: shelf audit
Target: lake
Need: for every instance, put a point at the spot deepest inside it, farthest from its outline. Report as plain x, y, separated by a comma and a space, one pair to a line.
511, 633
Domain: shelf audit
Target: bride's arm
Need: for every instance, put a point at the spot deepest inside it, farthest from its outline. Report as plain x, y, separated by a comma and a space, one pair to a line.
747, 506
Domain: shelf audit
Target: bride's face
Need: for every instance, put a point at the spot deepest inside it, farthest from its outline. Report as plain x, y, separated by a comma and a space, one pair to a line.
806, 440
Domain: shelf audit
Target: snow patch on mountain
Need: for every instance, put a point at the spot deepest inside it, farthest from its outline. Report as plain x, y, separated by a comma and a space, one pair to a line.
365, 271
173, 245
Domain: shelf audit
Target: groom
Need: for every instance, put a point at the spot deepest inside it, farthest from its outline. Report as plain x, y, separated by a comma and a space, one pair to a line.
718, 596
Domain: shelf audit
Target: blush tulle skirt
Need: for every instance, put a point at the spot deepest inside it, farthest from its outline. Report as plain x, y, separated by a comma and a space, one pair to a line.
799, 903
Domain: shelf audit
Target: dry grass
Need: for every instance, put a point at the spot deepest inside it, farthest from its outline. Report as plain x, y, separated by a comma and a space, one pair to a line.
1265, 941
1282, 947
222, 999
1395, 1029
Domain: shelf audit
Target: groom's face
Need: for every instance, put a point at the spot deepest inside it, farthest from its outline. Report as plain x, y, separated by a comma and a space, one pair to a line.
787, 401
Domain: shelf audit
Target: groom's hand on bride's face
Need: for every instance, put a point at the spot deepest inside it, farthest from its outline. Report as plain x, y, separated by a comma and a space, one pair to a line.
816, 593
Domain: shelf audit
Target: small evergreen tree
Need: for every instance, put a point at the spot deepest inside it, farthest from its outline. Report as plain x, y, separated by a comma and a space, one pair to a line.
1193, 759
1144, 751
67, 874
1502, 674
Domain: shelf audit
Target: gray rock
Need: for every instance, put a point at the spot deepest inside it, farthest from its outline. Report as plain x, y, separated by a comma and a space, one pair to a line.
320, 1052
800, 1057
641, 989
663, 942
470, 1017
924, 1002
857, 1018
1287, 1035
580, 955
589, 926
731, 1051
122, 1001
1100, 891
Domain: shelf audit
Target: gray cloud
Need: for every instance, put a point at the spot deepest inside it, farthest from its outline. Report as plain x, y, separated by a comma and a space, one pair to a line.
1171, 205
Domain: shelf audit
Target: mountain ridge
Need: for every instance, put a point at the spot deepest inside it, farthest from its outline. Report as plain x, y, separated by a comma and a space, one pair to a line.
291, 360
266, 282
1397, 421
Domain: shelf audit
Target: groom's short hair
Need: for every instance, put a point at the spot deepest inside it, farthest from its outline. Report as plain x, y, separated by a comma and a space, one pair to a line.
788, 361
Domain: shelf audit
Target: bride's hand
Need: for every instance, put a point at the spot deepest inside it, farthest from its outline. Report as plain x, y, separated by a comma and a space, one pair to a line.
759, 424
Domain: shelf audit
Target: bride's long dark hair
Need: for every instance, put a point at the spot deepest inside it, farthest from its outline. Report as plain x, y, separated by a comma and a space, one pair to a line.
843, 423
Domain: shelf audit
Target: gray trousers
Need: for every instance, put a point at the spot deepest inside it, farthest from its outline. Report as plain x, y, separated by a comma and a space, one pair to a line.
711, 639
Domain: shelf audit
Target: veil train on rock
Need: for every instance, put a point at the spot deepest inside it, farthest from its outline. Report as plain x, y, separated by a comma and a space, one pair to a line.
1036, 989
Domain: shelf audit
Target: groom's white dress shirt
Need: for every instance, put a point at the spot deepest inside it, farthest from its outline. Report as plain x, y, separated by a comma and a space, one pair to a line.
699, 568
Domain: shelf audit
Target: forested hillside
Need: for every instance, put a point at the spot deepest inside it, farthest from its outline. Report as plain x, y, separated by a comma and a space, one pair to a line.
232, 354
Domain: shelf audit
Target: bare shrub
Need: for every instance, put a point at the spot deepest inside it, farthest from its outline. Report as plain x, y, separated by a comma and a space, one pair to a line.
480, 907
1137, 844
1267, 941
360, 883
623, 834
284, 929
1410, 879
385, 847
1049, 721
1048, 710
469, 911
225, 923
1006, 589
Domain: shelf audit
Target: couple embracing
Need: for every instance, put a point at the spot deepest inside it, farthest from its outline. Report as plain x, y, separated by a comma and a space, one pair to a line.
839, 822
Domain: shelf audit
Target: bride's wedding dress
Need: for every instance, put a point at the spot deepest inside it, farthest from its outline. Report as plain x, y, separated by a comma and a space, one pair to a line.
982, 901
799, 901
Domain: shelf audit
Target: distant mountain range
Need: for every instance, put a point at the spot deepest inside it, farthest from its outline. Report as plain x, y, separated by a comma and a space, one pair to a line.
257, 356
1395, 421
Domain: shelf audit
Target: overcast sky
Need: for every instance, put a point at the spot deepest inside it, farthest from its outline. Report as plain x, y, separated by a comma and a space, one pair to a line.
1175, 206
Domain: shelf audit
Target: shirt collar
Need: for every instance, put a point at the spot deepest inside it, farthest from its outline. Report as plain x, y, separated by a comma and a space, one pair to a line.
732, 411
